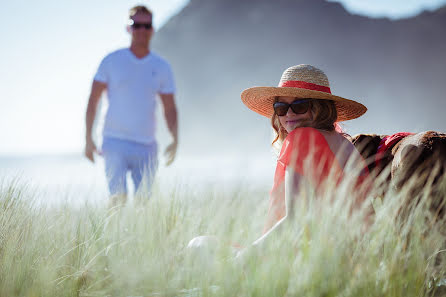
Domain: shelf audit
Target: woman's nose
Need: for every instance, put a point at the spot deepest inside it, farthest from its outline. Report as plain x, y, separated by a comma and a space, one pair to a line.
290, 112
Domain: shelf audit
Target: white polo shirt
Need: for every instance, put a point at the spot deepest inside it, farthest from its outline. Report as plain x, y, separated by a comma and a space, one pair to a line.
132, 87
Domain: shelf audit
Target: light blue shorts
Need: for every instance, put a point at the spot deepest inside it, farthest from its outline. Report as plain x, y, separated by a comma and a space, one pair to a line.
122, 156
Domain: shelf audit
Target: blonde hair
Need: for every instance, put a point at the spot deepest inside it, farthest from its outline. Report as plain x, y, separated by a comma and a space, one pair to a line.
139, 9
324, 118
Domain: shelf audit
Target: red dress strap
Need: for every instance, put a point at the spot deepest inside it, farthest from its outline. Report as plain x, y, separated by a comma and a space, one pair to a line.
307, 151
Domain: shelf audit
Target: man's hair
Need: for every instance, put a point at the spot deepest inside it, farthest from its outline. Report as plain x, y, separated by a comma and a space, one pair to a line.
324, 118
139, 9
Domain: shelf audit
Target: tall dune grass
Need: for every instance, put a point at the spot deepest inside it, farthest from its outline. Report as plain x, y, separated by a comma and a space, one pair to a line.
141, 250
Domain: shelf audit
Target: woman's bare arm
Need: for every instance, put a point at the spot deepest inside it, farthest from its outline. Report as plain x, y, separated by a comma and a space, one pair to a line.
291, 188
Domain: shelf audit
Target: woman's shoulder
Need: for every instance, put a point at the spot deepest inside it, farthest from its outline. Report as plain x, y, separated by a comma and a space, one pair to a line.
338, 142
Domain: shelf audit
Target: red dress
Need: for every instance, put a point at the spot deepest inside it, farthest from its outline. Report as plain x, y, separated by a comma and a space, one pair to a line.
302, 147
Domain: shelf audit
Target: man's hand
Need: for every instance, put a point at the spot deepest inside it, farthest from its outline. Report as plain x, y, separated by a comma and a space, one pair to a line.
90, 149
170, 153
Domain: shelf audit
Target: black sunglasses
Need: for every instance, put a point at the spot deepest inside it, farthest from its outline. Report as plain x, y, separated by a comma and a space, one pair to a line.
146, 26
298, 106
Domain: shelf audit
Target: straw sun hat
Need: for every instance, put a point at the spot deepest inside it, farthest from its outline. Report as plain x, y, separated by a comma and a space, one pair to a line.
301, 81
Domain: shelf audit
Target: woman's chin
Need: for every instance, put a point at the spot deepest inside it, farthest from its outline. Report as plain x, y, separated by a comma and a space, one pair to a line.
291, 126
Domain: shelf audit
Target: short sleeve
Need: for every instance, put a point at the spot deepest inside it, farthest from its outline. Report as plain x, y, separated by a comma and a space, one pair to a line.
167, 85
102, 72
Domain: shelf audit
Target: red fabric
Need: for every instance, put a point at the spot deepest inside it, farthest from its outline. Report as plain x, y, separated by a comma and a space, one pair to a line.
304, 85
387, 143
301, 147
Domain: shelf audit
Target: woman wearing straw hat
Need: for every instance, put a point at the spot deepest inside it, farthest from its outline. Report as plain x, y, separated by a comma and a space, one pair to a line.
305, 115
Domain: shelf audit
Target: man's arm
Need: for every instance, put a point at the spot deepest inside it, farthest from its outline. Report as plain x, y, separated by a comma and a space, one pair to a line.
96, 91
170, 114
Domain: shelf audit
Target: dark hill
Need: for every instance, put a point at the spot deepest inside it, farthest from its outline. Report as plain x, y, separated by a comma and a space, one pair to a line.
220, 47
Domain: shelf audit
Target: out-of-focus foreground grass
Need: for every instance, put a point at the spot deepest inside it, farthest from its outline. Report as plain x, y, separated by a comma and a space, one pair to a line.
141, 250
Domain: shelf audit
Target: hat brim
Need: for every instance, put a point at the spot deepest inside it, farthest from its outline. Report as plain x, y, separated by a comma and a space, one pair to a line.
261, 100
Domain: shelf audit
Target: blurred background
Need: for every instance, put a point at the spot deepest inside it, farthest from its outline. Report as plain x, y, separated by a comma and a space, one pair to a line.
388, 54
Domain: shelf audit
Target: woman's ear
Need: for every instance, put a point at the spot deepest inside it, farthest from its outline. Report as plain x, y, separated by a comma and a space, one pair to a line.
128, 29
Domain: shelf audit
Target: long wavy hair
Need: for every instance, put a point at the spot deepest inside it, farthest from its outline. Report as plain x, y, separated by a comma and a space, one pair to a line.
324, 118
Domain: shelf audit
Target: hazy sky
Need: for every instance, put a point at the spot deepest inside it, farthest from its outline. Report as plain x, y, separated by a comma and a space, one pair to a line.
50, 52
393, 9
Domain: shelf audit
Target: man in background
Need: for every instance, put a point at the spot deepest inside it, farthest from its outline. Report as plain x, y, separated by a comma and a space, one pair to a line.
133, 77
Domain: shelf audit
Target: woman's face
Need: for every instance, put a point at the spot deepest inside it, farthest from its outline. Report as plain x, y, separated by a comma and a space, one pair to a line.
290, 120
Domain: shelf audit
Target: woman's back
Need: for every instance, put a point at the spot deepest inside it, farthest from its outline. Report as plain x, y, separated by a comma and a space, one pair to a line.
346, 153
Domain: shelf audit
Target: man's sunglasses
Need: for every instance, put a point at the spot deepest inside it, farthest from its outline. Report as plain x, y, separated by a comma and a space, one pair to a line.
298, 106
146, 26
